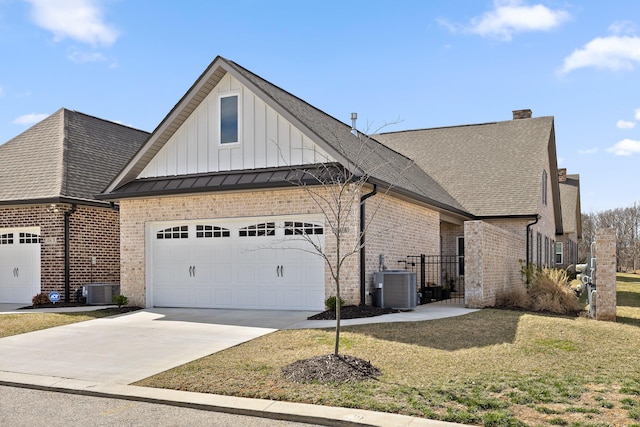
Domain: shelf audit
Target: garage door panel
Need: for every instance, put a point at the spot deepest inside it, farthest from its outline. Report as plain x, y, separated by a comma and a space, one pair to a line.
241, 270
19, 264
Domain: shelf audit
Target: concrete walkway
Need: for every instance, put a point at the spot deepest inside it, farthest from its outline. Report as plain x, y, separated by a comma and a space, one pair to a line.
103, 356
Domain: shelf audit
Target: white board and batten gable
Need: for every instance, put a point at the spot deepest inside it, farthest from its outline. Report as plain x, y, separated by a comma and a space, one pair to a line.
263, 139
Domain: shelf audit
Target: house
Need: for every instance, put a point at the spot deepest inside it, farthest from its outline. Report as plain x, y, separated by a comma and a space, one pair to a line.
216, 198
567, 244
54, 234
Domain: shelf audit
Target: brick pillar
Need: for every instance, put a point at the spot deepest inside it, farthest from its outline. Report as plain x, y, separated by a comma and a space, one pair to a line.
606, 274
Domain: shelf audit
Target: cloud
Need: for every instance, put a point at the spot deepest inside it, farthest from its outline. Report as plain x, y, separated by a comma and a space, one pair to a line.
29, 119
80, 20
1, 92
613, 53
83, 57
626, 147
637, 111
588, 151
623, 124
509, 17
623, 27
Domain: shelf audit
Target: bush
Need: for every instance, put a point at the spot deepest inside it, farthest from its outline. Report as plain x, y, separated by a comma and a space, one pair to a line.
120, 300
40, 299
548, 290
331, 303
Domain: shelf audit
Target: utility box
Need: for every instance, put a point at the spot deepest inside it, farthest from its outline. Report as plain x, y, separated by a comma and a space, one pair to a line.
396, 289
100, 293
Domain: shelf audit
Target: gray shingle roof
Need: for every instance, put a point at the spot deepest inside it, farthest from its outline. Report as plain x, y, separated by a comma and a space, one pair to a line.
492, 169
382, 164
68, 155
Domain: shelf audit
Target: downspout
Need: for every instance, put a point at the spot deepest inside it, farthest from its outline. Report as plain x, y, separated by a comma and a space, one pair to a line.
67, 253
528, 228
363, 281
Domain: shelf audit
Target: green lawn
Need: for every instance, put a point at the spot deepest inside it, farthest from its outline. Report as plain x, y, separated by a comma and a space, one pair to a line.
492, 367
14, 324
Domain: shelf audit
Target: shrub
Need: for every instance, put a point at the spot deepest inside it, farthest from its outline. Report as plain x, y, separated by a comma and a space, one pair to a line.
120, 300
40, 299
331, 303
548, 290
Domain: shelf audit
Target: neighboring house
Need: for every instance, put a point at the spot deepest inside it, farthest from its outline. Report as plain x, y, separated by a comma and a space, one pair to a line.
212, 203
567, 245
54, 234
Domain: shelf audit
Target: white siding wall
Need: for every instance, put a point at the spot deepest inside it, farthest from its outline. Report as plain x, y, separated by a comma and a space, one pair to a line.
266, 139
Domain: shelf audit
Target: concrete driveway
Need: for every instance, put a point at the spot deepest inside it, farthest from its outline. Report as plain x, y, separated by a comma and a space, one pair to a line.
136, 345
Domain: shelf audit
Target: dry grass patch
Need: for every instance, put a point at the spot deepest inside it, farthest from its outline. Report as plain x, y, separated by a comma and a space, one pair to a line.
492, 367
15, 324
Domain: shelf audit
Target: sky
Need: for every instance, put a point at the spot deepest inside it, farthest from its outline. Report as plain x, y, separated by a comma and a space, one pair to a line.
398, 64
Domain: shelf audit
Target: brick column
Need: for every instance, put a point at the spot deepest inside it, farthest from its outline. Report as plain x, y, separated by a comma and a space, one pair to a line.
606, 274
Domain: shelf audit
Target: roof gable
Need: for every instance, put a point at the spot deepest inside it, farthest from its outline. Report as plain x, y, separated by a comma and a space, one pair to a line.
68, 155
358, 153
492, 169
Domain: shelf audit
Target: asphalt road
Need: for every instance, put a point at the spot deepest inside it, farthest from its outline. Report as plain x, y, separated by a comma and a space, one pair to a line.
27, 407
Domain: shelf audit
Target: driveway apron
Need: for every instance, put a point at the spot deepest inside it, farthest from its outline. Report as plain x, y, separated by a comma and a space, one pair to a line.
127, 348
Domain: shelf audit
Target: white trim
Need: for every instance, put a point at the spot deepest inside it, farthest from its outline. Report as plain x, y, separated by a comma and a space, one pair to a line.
230, 94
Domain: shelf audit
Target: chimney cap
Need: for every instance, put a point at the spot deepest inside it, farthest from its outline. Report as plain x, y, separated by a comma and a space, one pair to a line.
522, 114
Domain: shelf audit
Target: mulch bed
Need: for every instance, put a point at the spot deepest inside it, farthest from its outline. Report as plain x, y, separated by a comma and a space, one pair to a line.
353, 312
330, 368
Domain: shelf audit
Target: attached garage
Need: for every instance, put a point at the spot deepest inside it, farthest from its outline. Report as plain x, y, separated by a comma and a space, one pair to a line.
250, 263
19, 264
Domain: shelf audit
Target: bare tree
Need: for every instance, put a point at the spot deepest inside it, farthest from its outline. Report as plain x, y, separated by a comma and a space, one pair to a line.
338, 190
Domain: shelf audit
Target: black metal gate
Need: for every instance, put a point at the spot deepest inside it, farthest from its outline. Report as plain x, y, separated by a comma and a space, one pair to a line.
439, 277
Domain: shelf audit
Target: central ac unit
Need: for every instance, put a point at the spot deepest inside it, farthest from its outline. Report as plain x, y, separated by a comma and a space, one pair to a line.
100, 293
397, 289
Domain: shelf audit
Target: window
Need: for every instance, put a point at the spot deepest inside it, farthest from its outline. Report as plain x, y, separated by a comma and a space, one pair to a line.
178, 232
29, 238
211, 231
544, 187
299, 228
258, 230
229, 119
539, 249
6, 239
559, 252
460, 255
546, 251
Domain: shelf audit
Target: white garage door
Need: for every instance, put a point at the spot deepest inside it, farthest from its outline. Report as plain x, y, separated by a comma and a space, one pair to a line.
19, 264
250, 263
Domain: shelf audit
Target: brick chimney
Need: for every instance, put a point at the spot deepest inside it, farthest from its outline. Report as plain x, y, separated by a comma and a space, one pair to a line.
562, 175
521, 114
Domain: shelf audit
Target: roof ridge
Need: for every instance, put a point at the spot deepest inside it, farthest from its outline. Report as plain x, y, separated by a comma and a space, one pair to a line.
462, 126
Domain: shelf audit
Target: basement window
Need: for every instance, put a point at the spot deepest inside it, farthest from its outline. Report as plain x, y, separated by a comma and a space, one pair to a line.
178, 232
292, 228
211, 231
258, 230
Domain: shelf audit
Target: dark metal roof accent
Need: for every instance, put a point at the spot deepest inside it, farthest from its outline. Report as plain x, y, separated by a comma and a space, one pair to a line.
225, 181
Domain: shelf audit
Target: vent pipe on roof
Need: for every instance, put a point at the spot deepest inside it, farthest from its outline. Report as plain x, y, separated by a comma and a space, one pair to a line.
354, 117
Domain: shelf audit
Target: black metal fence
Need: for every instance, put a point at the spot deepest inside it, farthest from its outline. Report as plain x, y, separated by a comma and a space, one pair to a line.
439, 277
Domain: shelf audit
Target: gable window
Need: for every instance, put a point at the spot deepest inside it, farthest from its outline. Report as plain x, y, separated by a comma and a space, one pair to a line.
544, 187
258, 230
229, 119
559, 252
